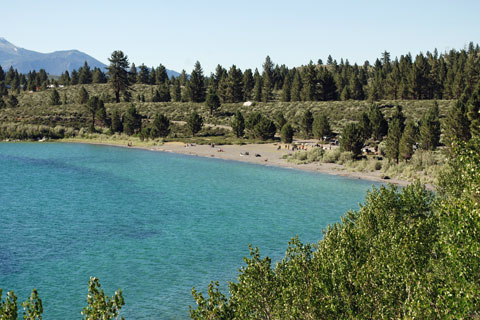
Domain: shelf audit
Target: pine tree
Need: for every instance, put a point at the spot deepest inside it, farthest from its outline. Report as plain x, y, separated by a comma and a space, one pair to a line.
194, 123
160, 126
286, 133
143, 75
161, 74
116, 125
393, 139
132, 74
92, 106
457, 125
212, 101
83, 96
267, 80
306, 124
430, 129
55, 98
234, 85
265, 129
473, 107
321, 127
378, 122
197, 84
309, 83
132, 121
295, 92
286, 89
257, 89
365, 126
280, 120
408, 141
73, 79
238, 124
12, 101
118, 73
351, 139
248, 84
85, 74
177, 91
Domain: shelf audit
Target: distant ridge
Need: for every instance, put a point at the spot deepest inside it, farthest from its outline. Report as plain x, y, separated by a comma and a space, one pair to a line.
54, 63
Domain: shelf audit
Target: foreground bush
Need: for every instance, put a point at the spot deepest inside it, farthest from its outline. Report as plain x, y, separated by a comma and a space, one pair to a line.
405, 254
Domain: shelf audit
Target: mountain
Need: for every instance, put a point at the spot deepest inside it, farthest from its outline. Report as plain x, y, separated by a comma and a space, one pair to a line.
54, 63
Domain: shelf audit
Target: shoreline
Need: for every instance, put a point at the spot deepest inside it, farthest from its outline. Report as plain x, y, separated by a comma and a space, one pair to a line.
268, 156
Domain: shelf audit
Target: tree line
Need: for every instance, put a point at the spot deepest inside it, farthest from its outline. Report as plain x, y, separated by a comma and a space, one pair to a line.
432, 75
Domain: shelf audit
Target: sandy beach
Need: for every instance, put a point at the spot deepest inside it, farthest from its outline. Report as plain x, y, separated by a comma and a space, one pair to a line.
262, 154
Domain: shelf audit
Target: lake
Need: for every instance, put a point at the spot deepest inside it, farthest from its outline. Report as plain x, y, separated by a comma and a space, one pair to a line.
153, 224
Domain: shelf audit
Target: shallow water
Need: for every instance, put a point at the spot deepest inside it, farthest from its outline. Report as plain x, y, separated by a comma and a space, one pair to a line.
153, 224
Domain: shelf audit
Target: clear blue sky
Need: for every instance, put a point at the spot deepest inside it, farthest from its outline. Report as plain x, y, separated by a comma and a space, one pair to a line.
178, 33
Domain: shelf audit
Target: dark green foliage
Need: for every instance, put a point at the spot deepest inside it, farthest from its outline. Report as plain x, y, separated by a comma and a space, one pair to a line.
194, 123
8, 308
378, 123
55, 98
2, 103
116, 125
85, 74
100, 306
98, 76
286, 134
132, 121
196, 84
238, 124
12, 101
267, 80
407, 141
118, 74
352, 139
214, 307
143, 75
33, 307
393, 139
252, 120
160, 126
93, 106
132, 74
306, 124
473, 107
457, 125
265, 129
430, 129
212, 101
280, 120
234, 85
257, 88
365, 126
321, 127
83, 96
248, 84
371, 265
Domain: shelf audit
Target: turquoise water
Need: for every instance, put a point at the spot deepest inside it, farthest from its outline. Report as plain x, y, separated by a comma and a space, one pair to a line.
153, 224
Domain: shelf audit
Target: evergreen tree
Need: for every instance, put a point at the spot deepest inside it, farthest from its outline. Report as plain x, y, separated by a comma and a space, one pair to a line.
55, 98
309, 83
252, 120
118, 74
132, 74
267, 80
194, 123
393, 139
257, 89
265, 129
197, 84
212, 101
85, 74
321, 127
156, 96
351, 139
83, 96
177, 91
93, 105
430, 129
65, 100
473, 107
132, 121
238, 124
234, 85
160, 126
98, 76
457, 125
280, 120
306, 124
116, 125
365, 126
12, 101
143, 75
295, 92
398, 114
286, 90
3, 105
73, 79
161, 74
408, 141
378, 122
248, 84
286, 133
